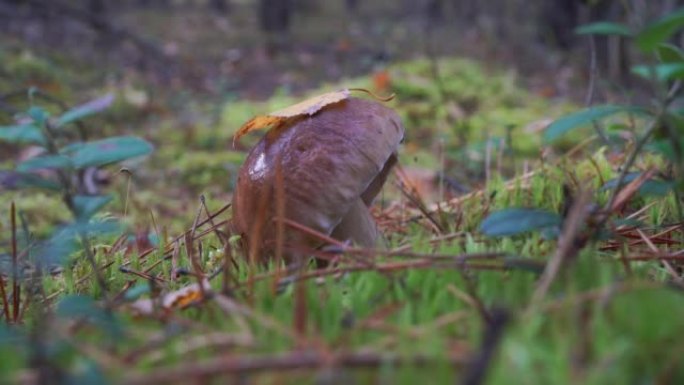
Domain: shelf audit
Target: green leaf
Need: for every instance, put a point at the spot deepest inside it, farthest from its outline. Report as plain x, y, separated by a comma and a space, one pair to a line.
87, 109
137, 291
45, 162
76, 306
18, 180
517, 221
84, 307
56, 250
665, 147
12, 336
70, 148
86, 205
22, 133
670, 53
611, 184
86, 372
603, 28
524, 264
38, 114
583, 117
651, 187
661, 72
658, 32
65, 241
91, 228
550, 233
656, 188
111, 150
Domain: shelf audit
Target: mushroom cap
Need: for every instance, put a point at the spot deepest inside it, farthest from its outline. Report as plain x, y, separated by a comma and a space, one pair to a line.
328, 162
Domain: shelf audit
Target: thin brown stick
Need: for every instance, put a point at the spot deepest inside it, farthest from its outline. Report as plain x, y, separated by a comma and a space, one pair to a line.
327, 239
155, 227
228, 262
169, 247
312, 232
387, 267
231, 365
16, 289
369, 253
213, 229
279, 222
192, 344
626, 193
182, 236
374, 96
231, 306
210, 218
458, 201
192, 254
678, 256
416, 199
599, 294
567, 246
5, 303
254, 241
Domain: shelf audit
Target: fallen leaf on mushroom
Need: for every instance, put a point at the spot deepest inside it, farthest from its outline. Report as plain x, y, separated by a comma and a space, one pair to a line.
307, 107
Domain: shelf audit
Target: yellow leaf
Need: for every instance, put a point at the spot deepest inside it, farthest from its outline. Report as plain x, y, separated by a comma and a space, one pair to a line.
178, 299
186, 299
309, 107
306, 108
312, 105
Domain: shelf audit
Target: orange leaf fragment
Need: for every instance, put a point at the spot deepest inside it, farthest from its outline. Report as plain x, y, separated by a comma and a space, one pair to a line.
306, 108
178, 299
381, 81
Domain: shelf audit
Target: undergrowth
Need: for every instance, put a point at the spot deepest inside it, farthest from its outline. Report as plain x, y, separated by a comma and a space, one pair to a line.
454, 287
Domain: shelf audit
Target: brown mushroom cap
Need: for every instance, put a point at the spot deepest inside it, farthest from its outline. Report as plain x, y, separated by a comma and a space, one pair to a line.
332, 165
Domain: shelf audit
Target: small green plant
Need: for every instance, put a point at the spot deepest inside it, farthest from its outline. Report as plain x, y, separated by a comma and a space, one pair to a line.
657, 128
63, 155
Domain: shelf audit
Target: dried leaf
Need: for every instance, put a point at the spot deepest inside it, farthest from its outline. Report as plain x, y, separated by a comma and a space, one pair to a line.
308, 107
179, 299
312, 105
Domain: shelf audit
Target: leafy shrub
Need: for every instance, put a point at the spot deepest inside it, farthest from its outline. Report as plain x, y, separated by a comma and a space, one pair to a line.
658, 128
62, 155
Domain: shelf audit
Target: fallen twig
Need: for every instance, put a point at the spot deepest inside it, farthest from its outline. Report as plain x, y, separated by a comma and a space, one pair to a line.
245, 364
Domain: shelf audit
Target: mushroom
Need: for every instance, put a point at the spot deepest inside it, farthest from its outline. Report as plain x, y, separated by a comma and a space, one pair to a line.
325, 169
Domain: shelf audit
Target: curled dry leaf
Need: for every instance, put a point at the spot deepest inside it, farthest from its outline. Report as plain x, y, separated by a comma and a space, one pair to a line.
178, 299
308, 107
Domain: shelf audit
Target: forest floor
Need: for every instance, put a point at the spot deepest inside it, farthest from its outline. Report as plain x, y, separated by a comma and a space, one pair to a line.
435, 304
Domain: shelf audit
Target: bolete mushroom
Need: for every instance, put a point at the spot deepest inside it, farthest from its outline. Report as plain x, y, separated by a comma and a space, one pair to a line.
328, 167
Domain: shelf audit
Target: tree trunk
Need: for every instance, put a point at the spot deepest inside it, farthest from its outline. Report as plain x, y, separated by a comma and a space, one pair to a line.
558, 21
274, 15
352, 5
219, 6
97, 7
98, 12
434, 10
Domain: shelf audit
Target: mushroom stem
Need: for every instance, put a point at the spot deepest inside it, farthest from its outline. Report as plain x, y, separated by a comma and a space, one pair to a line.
376, 185
357, 226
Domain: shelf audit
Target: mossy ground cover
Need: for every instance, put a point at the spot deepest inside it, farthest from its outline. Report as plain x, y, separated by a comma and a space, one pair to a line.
424, 311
